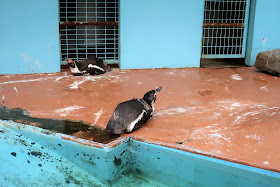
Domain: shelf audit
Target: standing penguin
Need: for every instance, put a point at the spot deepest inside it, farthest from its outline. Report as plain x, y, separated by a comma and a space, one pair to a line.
131, 115
92, 65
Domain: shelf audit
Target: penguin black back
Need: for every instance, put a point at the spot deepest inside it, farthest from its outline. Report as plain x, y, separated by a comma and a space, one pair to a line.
97, 66
92, 65
131, 115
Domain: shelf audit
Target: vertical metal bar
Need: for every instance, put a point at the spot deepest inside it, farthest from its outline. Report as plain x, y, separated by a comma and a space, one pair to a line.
205, 20
223, 20
218, 12
105, 31
211, 20
234, 16
115, 53
231, 12
228, 21
210, 49
215, 10
220, 37
237, 30
205, 11
210, 12
224, 40
232, 29
231, 37
216, 40
95, 28
208, 20
203, 40
228, 34
246, 27
86, 29
66, 31
105, 10
222, 17
239, 12
77, 55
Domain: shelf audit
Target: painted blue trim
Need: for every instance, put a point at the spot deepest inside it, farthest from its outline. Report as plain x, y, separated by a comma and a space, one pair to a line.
250, 33
245, 32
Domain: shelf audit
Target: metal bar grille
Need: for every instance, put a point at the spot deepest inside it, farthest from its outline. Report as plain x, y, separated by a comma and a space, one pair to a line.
89, 27
224, 28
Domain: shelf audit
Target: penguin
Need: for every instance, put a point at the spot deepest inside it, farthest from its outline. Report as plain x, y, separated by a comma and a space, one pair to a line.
76, 67
96, 66
131, 115
92, 65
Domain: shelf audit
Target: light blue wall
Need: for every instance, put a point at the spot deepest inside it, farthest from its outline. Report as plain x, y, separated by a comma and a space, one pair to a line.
264, 28
160, 33
29, 36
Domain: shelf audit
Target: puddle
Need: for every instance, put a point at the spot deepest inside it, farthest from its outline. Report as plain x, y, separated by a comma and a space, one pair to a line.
78, 129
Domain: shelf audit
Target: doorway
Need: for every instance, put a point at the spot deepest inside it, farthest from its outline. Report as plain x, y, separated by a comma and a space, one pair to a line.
89, 27
224, 30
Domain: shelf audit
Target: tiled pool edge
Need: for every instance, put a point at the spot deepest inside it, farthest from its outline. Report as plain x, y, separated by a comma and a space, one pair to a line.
111, 161
95, 158
185, 148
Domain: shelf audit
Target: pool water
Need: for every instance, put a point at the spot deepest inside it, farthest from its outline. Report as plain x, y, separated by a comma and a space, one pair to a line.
29, 158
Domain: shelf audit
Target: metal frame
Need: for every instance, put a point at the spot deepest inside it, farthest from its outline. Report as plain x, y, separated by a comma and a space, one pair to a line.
225, 28
89, 27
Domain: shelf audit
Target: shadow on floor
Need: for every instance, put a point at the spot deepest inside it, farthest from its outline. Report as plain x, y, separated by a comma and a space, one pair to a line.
222, 63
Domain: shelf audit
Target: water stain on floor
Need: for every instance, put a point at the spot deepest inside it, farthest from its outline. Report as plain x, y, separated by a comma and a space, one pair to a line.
78, 129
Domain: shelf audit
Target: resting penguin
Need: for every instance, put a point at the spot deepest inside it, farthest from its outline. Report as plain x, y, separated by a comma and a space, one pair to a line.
96, 66
92, 65
76, 67
131, 115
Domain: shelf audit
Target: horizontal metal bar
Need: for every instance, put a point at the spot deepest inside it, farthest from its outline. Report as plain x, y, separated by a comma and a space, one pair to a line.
223, 56
88, 2
78, 23
109, 61
82, 29
234, 25
220, 46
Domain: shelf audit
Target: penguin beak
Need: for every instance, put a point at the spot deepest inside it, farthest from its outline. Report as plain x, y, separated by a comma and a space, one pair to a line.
158, 89
68, 60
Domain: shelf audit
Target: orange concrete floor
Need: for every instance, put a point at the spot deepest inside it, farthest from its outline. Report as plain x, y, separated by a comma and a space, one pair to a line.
231, 114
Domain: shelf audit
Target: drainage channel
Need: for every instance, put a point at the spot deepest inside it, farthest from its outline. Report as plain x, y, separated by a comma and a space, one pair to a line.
78, 129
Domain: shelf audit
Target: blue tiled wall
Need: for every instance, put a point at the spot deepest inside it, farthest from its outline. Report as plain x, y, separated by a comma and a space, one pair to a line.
29, 37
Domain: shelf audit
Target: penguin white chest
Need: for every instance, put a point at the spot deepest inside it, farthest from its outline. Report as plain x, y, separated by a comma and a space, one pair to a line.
75, 69
132, 124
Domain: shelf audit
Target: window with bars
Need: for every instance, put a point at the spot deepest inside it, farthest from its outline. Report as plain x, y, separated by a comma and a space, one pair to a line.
224, 28
89, 27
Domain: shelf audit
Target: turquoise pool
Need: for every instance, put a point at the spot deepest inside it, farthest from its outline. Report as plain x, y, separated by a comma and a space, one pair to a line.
30, 158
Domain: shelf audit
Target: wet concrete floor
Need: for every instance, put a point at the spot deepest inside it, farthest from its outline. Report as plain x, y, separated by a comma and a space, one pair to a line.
231, 114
